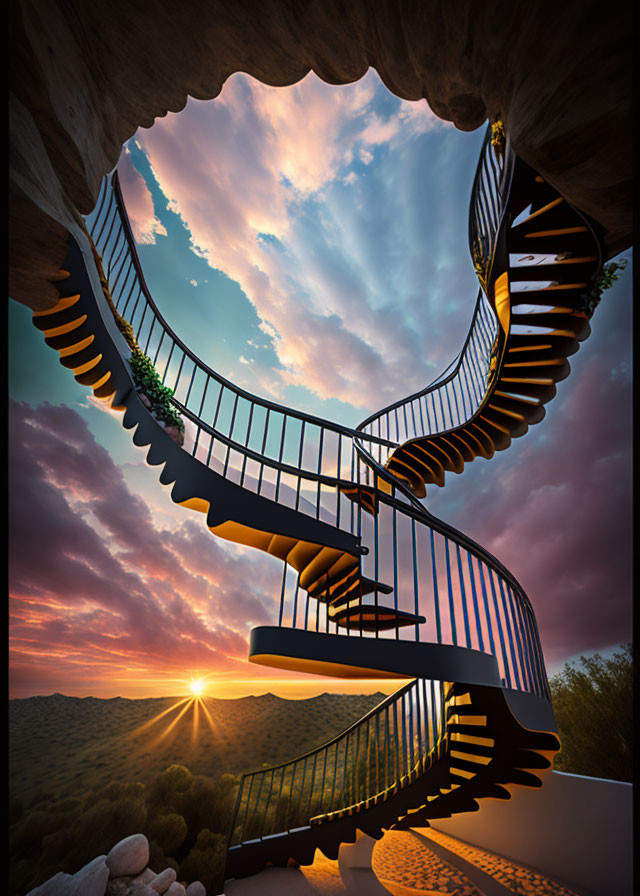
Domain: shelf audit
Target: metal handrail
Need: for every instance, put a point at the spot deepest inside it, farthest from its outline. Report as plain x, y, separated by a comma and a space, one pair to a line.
467, 596
489, 198
402, 730
214, 374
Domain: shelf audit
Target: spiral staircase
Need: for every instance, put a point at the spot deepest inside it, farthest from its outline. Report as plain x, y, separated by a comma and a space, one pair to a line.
373, 585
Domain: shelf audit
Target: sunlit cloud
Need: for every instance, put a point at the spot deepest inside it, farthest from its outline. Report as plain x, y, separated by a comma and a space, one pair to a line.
144, 223
262, 199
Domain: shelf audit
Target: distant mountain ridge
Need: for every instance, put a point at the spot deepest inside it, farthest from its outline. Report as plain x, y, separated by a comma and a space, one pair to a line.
60, 744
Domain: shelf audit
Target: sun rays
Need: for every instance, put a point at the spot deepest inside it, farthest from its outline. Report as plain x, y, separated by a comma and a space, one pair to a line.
180, 718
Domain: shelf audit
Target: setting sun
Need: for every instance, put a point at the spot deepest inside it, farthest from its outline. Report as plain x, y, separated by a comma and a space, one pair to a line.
197, 687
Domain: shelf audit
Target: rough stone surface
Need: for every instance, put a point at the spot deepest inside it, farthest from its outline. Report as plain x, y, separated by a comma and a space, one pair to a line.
196, 889
127, 886
128, 857
92, 879
176, 889
60, 884
146, 876
86, 76
163, 881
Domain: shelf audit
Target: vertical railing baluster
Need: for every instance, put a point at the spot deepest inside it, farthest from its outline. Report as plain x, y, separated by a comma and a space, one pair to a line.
452, 612
463, 596
503, 650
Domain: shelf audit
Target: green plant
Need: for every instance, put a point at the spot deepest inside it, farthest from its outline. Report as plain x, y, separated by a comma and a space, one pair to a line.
147, 378
593, 706
205, 861
605, 279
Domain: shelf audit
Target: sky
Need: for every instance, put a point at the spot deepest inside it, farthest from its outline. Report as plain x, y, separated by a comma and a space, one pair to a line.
309, 243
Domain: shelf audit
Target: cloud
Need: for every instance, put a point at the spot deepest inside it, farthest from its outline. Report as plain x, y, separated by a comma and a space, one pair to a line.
97, 586
144, 223
262, 199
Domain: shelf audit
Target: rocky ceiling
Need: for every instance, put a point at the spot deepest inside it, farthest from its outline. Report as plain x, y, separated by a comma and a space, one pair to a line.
85, 75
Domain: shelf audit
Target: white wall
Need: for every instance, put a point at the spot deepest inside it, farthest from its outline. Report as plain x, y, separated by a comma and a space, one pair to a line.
575, 828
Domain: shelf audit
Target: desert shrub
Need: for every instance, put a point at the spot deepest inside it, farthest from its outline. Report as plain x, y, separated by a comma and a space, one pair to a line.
27, 835
119, 790
55, 847
165, 789
206, 861
101, 826
158, 860
168, 831
593, 706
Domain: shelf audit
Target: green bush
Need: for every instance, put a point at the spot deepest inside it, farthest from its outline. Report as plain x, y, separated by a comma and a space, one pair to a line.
148, 379
164, 791
101, 826
593, 706
158, 861
185, 818
206, 861
168, 831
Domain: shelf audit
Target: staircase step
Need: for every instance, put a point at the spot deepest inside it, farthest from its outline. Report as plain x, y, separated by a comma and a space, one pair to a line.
556, 371
554, 215
504, 422
579, 269
531, 355
369, 618
576, 239
498, 433
363, 495
530, 413
574, 324
518, 382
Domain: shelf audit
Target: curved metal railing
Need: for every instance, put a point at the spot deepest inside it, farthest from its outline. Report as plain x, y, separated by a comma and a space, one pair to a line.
379, 754
415, 563
456, 396
281, 453
448, 402
455, 591
427, 569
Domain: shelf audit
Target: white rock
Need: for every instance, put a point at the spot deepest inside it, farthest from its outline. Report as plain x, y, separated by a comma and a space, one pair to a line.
163, 881
176, 889
92, 879
128, 857
196, 889
59, 885
126, 886
144, 878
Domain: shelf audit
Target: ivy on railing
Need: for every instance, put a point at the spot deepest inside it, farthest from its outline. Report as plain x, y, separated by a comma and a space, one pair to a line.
153, 394
158, 396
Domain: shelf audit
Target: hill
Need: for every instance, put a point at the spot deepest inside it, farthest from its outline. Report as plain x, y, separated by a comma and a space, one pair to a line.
59, 745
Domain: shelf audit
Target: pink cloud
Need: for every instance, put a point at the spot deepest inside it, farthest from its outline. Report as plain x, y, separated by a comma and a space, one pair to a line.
332, 335
98, 588
142, 216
